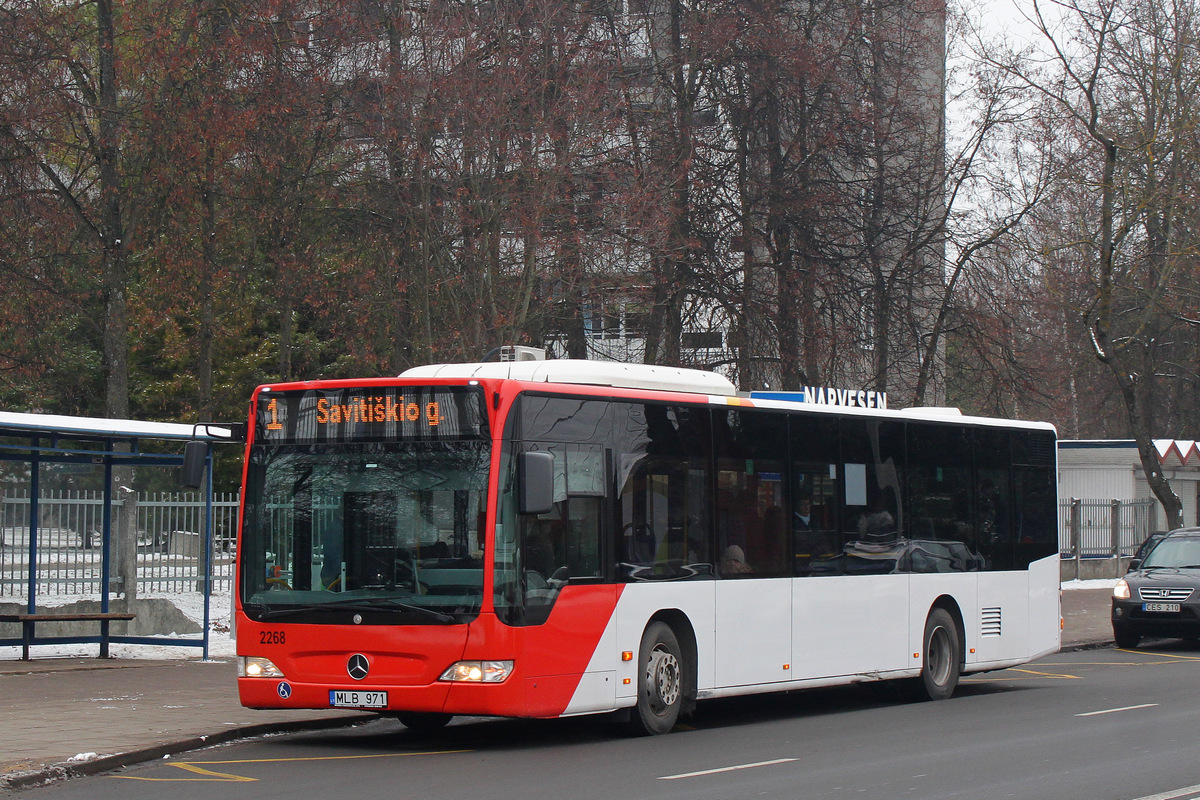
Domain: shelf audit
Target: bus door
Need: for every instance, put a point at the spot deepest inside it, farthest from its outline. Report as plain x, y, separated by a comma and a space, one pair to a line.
851, 598
753, 590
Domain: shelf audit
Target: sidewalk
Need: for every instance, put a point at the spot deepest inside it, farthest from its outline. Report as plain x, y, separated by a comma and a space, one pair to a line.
74, 716
1086, 618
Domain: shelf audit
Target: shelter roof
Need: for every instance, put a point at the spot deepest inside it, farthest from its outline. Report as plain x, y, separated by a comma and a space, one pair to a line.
12, 423
1171, 452
1183, 450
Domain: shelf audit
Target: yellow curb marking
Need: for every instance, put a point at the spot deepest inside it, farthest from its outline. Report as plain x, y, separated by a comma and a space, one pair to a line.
198, 768
1059, 675
1168, 656
1163, 660
1055, 675
220, 777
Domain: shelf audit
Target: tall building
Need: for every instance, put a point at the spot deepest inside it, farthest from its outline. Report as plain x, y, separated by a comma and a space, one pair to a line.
750, 187
823, 260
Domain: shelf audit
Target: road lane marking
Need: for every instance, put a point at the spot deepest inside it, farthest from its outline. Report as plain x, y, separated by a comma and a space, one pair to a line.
1171, 657
208, 775
1001, 676
1092, 663
725, 769
1173, 794
1116, 710
1060, 675
198, 768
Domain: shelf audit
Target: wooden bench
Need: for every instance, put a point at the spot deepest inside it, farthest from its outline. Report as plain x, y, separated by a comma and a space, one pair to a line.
29, 620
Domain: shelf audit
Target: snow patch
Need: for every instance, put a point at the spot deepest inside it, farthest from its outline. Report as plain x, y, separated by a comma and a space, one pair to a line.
220, 641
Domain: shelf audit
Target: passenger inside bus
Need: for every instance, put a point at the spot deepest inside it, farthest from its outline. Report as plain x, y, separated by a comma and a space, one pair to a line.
733, 561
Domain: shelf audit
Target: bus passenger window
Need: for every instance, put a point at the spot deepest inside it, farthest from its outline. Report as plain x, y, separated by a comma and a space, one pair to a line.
815, 543
815, 495
664, 497
873, 511
941, 489
751, 451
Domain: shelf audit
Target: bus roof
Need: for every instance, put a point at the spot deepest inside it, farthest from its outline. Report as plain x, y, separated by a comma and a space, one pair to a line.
587, 373
582, 372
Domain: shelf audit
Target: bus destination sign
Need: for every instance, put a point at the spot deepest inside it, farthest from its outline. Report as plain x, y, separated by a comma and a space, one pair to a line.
371, 413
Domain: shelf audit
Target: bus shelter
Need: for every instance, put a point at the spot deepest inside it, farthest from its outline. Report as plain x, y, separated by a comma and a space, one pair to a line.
106, 454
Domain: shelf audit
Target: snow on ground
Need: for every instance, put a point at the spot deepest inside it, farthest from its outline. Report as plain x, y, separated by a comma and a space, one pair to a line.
1101, 583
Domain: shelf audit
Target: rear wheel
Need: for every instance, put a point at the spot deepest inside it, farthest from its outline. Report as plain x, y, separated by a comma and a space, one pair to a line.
424, 721
1126, 638
660, 681
941, 660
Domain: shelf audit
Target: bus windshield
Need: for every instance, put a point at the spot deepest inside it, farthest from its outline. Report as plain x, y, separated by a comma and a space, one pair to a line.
388, 531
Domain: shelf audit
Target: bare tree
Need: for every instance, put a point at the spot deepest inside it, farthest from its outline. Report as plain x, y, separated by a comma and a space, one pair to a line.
1122, 78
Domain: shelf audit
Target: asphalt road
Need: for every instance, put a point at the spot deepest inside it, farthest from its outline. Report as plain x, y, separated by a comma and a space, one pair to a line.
1089, 725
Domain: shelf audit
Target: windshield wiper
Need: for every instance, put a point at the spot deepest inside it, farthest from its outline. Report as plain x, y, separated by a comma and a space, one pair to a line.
375, 603
352, 604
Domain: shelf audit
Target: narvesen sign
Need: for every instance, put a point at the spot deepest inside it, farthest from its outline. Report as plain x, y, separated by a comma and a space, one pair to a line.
826, 396
854, 398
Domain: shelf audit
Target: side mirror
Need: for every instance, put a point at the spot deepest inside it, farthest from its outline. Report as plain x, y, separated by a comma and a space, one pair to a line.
1134, 564
195, 456
535, 483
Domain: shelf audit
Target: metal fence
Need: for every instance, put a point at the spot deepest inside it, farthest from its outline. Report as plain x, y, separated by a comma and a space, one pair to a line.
170, 530
1103, 528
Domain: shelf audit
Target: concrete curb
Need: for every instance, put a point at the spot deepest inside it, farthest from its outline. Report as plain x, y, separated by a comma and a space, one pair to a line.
65, 770
1098, 644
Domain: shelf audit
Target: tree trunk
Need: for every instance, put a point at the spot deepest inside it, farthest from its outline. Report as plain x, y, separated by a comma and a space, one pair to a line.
112, 241
208, 270
1114, 358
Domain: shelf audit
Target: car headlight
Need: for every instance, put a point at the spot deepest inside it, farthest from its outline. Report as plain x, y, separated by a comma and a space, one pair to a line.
1121, 590
257, 667
478, 672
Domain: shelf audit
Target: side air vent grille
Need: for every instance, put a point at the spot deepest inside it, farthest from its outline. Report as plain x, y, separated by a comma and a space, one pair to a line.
990, 622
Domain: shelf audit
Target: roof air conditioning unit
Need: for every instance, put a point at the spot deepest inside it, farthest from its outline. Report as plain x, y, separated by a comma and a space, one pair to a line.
517, 352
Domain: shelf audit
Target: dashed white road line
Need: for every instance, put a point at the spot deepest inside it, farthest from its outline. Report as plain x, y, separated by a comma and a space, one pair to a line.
724, 769
1116, 710
1173, 794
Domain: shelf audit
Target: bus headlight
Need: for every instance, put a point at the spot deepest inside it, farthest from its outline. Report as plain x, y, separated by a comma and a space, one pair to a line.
1121, 590
257, 667
478, 672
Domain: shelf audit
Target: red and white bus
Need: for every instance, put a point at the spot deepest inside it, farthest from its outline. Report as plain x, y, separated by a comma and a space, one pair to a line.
551, 538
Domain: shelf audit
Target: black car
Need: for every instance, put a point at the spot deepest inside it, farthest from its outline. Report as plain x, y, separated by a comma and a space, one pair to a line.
1160, 597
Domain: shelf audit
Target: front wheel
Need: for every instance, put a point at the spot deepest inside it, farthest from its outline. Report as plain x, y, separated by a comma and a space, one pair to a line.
1126, 638
941, 663
660, 681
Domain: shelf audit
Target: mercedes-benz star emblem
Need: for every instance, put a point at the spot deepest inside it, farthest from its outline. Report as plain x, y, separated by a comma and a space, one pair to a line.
358, 667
